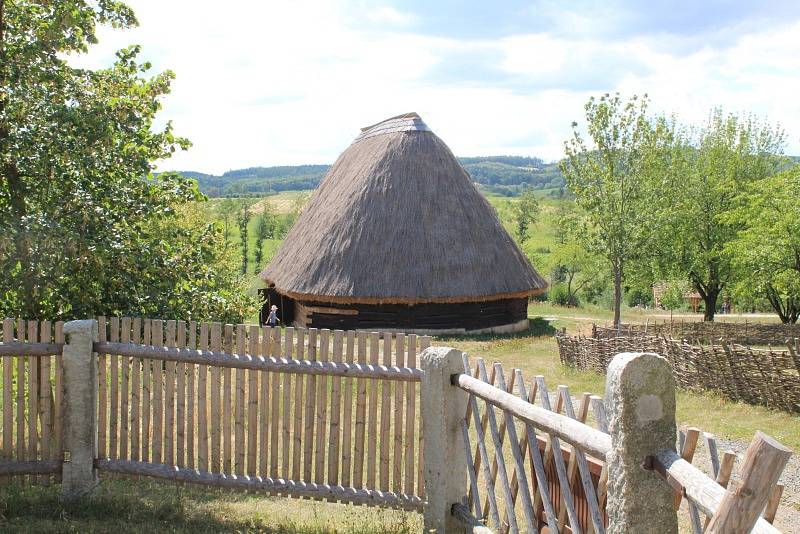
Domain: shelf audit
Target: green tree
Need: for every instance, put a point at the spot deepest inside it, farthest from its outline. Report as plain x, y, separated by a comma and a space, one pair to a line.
766, 250
525, 213
691, 228
85, 227
610, 178
242, 220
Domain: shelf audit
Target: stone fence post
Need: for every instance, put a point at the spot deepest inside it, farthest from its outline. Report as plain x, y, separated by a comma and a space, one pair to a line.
80, 400
640, 405
445, 467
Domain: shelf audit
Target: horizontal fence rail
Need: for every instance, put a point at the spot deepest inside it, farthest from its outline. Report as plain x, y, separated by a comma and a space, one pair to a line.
258, 363
267, 485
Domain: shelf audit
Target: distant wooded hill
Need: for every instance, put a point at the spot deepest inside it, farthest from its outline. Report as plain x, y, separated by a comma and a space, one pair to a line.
505, 175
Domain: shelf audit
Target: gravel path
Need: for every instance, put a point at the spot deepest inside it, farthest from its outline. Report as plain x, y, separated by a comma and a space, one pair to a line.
788, 517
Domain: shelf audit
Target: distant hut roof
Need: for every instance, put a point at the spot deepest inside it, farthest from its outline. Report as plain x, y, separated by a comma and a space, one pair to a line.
397, 220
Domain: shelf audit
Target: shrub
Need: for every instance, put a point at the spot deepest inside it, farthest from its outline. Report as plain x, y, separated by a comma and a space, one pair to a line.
559, 295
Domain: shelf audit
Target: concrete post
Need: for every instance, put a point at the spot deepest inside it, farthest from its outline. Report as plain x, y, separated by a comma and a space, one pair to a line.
443, 407
80, 400
640, 405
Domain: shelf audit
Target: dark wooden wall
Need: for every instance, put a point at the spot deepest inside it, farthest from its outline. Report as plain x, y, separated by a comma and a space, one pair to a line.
468, 315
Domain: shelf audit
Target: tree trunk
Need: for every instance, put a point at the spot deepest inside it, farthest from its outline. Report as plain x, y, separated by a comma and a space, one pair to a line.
710, 299
617, 293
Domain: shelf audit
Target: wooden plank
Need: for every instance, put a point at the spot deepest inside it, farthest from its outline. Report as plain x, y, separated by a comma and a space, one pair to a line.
491, 498
742, 503
263, 459
239, 415
274, 451
216, 404
158, 394
297, 445
147, 385
372, 424
688, 447
772, 503
113, 412
411, 419
227, 403
191, 400
180, 399
531, 521
502, 427
8, 394
136, 385
347, 413
361, 403
202, 403
589, 492
169, 399
33, 395
558, 460
310, 408
336, 403
124, 389
329, 311
474, 493
264, 485
424, 343
322, 410
102, 394
253, 348
505, 486
45, 336
58, 398
386, 415
287, 406
543, 498
399, 390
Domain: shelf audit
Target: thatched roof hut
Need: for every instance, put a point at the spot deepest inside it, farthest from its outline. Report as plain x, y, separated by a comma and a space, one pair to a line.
397, 235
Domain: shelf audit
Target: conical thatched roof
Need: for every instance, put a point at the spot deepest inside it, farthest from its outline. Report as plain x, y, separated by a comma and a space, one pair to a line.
398, 220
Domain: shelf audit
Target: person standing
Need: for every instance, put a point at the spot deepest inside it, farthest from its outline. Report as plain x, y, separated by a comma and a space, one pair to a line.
273, 320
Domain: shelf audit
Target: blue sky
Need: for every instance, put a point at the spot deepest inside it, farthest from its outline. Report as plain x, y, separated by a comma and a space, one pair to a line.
281, 83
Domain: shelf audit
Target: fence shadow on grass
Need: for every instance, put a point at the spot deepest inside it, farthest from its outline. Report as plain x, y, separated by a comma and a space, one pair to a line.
122, 506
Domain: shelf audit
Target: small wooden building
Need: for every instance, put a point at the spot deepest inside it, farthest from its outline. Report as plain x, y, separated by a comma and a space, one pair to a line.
398, 237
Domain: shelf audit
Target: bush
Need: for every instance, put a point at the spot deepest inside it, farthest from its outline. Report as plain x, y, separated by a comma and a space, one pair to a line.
559, 295
639, 297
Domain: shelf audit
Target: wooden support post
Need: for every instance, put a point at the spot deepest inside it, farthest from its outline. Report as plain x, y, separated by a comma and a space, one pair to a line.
443, 408
743, 501
640, 404
79, 475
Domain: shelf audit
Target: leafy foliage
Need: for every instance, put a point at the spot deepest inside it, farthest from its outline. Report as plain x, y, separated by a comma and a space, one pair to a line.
86, 228
610, 178
526, 213
766, 251
691, 229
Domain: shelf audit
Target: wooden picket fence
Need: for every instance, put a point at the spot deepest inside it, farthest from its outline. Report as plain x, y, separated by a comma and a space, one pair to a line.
298, 423
320, 428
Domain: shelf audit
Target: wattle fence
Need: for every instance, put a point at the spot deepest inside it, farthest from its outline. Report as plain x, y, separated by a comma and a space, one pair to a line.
744, 333
338, 416
769, 377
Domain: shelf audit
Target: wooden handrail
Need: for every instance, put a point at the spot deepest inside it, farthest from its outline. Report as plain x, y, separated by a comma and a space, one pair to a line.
259, 363
584, 437
696, 486
30, 349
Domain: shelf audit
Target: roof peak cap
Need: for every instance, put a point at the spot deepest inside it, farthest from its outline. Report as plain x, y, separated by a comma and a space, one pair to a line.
407, 122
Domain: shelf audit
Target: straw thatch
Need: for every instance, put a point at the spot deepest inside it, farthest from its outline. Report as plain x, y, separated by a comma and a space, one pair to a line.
398, 220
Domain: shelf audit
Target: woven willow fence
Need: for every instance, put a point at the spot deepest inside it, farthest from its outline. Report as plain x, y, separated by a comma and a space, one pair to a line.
757, 376
699, 331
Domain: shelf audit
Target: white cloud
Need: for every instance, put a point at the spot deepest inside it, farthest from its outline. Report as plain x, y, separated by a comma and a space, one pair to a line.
273, 83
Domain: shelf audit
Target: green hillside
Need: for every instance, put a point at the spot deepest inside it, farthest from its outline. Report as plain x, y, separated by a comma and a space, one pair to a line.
501, 175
